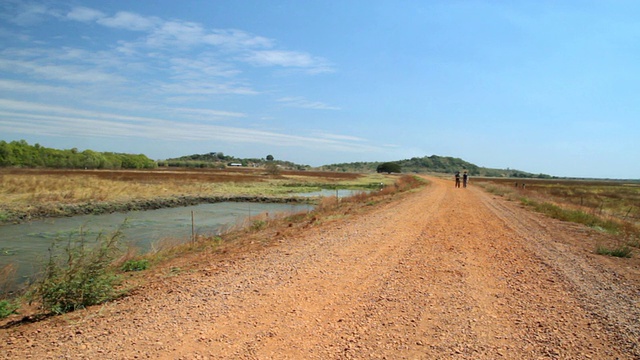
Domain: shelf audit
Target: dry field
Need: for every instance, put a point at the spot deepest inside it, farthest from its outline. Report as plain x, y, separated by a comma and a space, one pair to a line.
28, 193
612, 207
616, 199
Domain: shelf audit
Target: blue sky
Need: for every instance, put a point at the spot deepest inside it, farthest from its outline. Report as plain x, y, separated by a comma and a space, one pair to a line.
542, 86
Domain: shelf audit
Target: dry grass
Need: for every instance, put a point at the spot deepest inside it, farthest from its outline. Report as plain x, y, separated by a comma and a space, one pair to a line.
7, 278
610, 206
617, 200
25, 189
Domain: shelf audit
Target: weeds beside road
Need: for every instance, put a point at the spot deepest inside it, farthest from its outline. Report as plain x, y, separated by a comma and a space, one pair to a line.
608, 206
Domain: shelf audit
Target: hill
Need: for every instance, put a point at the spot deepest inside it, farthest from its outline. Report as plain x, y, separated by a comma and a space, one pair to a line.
220, 160
435, 164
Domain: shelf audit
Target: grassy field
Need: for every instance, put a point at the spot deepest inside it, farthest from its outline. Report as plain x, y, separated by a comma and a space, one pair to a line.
43, 191
612, 206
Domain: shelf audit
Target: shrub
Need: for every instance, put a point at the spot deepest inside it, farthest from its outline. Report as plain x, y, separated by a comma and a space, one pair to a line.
78, 275
258, 225
272, 168
7, 308
135, 265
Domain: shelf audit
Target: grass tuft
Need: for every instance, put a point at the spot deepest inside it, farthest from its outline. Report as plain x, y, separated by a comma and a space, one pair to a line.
622, 251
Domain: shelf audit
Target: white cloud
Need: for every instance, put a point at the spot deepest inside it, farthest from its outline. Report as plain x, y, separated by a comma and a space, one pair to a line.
156, 129
129, 21
69, 73
195, 68
300, 102
176, 33
30, 13
282, 58
84, 14
164, 33
209, 113
31, 88
44, 119
236, 39
195, 87
46, 109
339, 137
13, 36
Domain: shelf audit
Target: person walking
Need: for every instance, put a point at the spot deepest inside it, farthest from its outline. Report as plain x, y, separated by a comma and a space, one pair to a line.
465, 178
457, 179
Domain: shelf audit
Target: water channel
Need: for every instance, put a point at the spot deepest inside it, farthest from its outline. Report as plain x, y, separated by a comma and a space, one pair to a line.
26, 245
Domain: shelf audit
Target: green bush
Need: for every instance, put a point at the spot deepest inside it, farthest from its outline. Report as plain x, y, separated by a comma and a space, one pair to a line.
78, 275
135, 265
7, 308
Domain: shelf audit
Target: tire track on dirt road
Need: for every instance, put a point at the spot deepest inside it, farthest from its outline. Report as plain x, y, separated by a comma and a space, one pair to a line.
437, 274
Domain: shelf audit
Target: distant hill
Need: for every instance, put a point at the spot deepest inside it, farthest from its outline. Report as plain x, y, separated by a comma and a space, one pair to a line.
427, 164
435, 164
220, 160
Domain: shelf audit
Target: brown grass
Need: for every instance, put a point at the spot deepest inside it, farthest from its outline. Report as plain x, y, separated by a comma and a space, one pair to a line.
612, 206
611, 199
7, 278
22, 190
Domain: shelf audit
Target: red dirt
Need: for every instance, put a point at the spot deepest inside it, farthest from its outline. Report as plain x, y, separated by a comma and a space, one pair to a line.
442, 273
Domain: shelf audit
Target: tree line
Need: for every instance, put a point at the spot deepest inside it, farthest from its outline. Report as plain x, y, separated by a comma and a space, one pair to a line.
21, 154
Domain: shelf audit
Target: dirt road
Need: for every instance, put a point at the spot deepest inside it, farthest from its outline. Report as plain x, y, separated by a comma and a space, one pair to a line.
442, 273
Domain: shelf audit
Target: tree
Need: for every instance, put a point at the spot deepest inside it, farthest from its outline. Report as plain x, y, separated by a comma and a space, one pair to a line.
389, 168
269, 157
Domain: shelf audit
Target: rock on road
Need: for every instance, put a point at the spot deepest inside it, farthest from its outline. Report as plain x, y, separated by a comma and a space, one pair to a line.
441, 273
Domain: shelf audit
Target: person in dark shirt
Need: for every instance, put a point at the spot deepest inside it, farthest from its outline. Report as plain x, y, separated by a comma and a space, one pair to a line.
457, 179
465, 179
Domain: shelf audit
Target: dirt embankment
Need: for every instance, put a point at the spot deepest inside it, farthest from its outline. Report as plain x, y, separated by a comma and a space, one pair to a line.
442, 273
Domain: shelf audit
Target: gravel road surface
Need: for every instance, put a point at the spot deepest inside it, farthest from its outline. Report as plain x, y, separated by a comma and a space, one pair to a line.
442, 273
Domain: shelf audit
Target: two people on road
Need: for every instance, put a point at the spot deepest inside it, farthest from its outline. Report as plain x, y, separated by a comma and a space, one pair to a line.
465, 179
